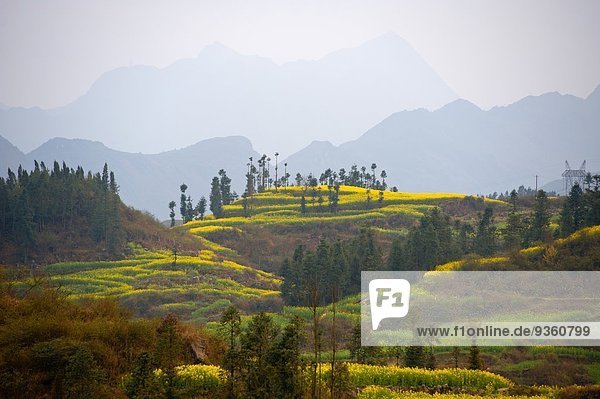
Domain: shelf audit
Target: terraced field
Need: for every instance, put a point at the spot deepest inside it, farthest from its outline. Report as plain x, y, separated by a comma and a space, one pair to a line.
197, 287
376, 392
354, 204
201, 378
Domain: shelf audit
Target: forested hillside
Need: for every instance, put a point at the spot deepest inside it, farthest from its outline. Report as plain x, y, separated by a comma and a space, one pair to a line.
60, 213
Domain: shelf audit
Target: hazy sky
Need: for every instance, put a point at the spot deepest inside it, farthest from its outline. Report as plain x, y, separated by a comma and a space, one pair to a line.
489, 52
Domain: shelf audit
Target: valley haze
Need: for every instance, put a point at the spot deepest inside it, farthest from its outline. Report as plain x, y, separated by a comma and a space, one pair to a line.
457, 148
380, 101
221, 92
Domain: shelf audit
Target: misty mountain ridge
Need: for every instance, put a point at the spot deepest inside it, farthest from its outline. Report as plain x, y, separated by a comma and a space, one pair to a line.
462, 148
222, 92
457, 148
149, 182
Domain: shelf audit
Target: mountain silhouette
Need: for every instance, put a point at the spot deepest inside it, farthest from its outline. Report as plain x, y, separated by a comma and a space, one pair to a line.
457, 148
222, 93
461, 148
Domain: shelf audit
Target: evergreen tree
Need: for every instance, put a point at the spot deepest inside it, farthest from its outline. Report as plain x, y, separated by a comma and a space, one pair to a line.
339, 268
368, 252
312, 288
172, 212
448, 247
105, 176
297, 276
513, 232
233, 358
342, 175
289, 287
183, 202
456, 354
246, 205
114, 236
320, 201
285, 358
225, 184
592, 202
465, 241
538, 230
216, 202
362, 354
354, 269
322, 274
475, 362
169, 352
383, 177
484, 240
298, 179
23, 226
335, 198
113, 186
414, 356
250, 181
83, 377
430, 359
396, 259
423, 246
573, 212
190, 210
142, 383
201, 208
333, 280
257, 341
373, 168
303, 204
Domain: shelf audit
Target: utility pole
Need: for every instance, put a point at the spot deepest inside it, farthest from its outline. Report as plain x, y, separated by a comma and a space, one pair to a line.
536, 189
269, 172
276, 165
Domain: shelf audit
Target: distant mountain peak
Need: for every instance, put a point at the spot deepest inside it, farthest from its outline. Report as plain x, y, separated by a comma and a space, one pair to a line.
237, 141
460, 105
321, 143
389, 37
66, 143
217, 48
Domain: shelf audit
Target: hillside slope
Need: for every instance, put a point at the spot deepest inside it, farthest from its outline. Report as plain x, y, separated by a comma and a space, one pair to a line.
241, 255
57, 213
579, 251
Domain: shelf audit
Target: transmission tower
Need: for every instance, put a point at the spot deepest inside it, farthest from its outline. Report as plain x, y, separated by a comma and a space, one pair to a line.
573, 176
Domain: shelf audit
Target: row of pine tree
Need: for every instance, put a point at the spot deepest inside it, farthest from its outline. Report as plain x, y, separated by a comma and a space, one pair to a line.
60, 200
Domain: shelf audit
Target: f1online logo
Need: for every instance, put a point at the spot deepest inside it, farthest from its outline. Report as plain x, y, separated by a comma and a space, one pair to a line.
389, 298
